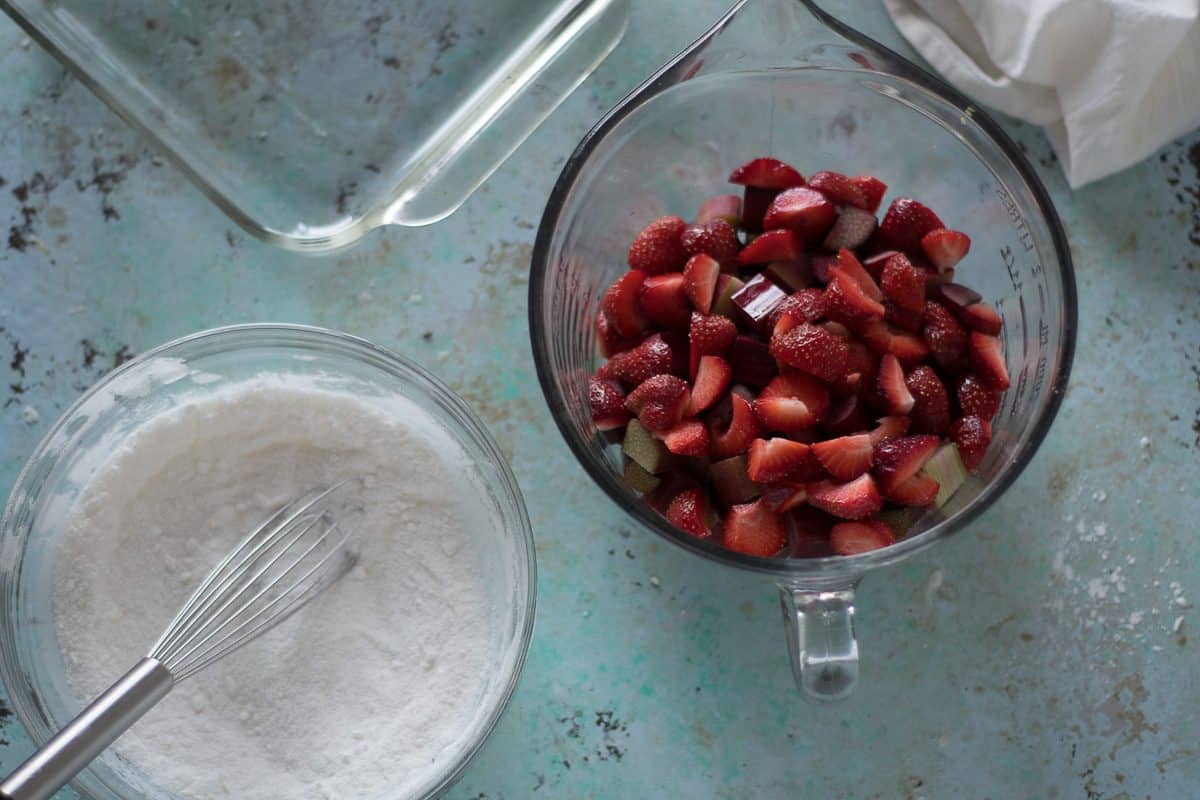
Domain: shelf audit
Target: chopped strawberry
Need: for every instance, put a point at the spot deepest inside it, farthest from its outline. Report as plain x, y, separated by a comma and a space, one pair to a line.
873, 190
883, 338
849, 264
945, 248
838, 188
756, 301
608, 404
888, 428
874, 264
931, 404
976, 398
754, 529
782, 497
766, 173
777, 245
686, 438
820, 264
845, 457
731, 483
727, 286
743, 428
946, 338
806, 305
654, 356
722, 206
792, 402
771, 460
847, 302
854, 500
658, 248
899, 458
752, 362
708, 335
982, 317
621, 304
717, 238
688, 512
802, 210
812, 349
608, 340
905, 222
903, 318
852, 538
972, 435
812, 527
918, 491
663, 300
659, 402
700, 281
791, 276
846, 417
677, 342
954, 296
903, 283
711, 381
987, 358
892, 387
852, 229
862, 367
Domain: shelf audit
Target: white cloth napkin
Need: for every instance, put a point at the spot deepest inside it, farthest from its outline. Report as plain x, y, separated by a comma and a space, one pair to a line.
1111, 80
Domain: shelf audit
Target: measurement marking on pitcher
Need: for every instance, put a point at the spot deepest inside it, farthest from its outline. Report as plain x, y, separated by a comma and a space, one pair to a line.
1018, 221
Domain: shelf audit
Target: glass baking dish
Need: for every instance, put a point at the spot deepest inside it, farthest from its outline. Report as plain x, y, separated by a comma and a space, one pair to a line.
311, 122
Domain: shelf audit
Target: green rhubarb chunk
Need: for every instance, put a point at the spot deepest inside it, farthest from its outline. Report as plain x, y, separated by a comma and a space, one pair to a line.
638, 478
946, 467
732, 481
649, 453
723, 305
901, 520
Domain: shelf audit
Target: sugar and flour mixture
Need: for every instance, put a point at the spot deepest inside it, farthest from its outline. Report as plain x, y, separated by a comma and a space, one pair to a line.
366, 689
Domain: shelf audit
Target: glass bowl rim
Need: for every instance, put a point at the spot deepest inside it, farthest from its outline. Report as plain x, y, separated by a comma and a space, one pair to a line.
831, 569
284, 334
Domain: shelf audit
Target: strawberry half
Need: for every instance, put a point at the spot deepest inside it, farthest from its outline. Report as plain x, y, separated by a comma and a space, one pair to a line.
806, 305
851, 230
812, 349
700, 281
663, 301
838, 188
852, 538
686, 438
654, 356
892, 387
883, 338
711, 381
849, 264
862, 369
872, 189
776, 245
659, 402
931, 404
905, 223
945, 248
766, 173
888, 428
792, 402
845, 457
982, 317
898, 459
722, 206
658, 247
754, 529
608, 404
610, 342
976, 398
802, 210
771, 460
744, 428
903, 284
688, 512
854, 500
987, 357
919, 491
972, 435
621, 304
708, 335
847, 302
717, 238
946, 338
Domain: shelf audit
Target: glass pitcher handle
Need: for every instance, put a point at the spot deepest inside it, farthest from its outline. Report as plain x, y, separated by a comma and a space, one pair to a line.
821, 642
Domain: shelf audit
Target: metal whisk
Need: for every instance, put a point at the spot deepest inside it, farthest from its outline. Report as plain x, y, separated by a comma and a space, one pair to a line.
288, 560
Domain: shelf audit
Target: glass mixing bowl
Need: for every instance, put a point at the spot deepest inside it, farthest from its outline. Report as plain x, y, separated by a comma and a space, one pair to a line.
31, 664
782, 78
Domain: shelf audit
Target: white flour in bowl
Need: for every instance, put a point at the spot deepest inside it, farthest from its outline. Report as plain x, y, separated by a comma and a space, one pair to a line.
365, 692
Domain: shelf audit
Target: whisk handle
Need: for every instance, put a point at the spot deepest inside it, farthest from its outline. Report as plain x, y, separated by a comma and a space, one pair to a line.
86, 736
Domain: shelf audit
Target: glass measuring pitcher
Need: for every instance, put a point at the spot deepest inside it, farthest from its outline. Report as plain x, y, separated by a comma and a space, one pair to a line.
783, 78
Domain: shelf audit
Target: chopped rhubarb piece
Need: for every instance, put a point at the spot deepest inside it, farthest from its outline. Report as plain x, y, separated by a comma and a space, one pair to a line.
766, 173
782, 497
972, 435
754, 529
732, 483
663, 301
854, 500
752, 362
638, 478
722, 206
946, 467
652, 357
905, 222
659, 402
945, 248
811, 527
755, 202
791, 276
954, 296
982, 317
903, 284
712, 379
852, 229
946, 338
802, 210
931, 403
687, 438
987, 358
727, 287
821, 264
776, 245
771, 460
608, 404
688, 512
892, 387
852, 538
874, 264
621, 304
812, 349
641, 446
976, 398
845, 457
756, 300
873, 190
717, 238
700, 276
658, 247
888, 428
743, 429
838, 188
847, 416
899, 458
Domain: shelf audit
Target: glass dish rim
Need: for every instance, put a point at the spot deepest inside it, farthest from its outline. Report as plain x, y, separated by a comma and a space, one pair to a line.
363, 350
831, 569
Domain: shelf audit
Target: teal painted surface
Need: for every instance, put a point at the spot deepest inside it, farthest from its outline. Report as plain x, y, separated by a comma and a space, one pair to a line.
1035, 656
